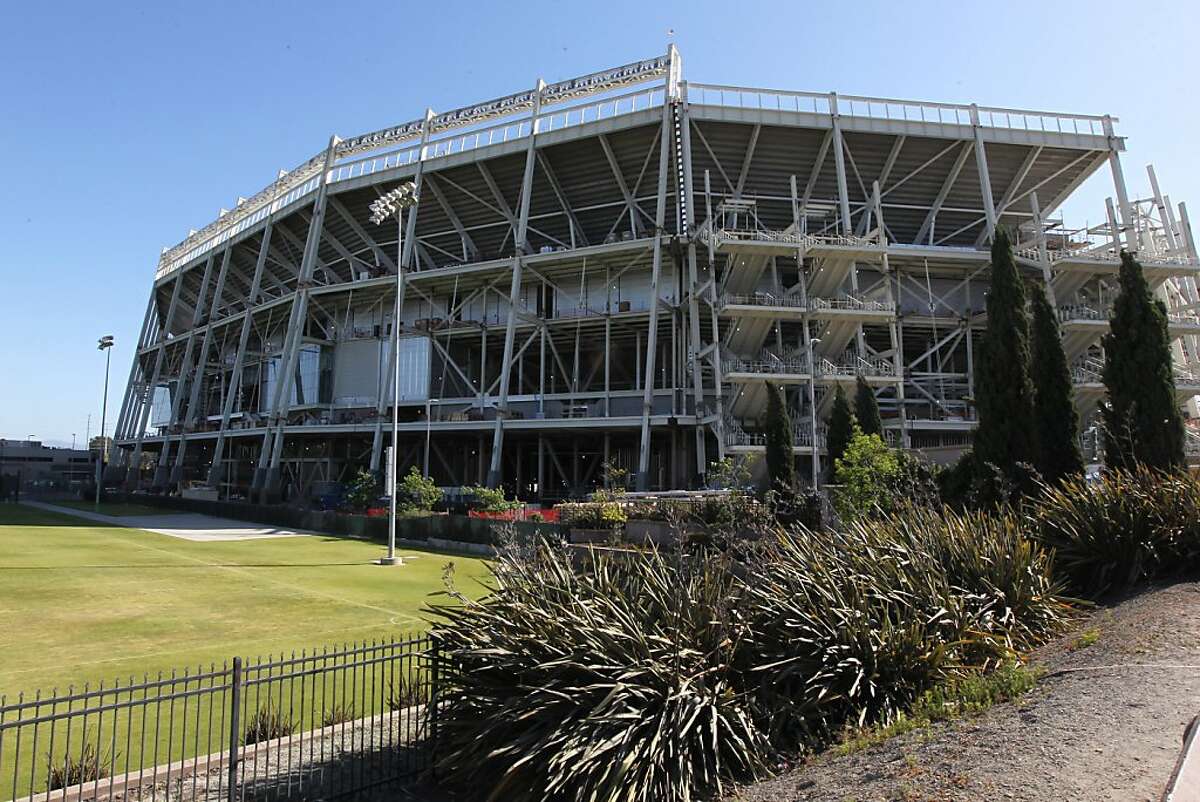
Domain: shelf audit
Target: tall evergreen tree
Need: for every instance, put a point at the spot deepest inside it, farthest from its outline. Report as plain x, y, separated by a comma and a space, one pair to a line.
866, 409
781, 467
1055, 418
1142, 423
841, 430
1003, 392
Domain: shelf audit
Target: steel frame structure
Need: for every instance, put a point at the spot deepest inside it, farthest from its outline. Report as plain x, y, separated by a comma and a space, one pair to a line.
608, 269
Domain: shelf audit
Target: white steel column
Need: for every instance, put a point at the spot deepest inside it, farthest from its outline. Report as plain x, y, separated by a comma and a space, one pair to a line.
514, 291
839, 161
197, 380
1132, 243
664, 150
216, 470
185, 366
285, 377
148, 403
985, 181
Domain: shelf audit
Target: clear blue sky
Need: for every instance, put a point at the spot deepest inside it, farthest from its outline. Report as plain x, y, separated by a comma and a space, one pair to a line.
126, 124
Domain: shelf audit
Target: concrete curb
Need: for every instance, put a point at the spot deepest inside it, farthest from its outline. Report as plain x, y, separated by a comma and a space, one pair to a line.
1184, 785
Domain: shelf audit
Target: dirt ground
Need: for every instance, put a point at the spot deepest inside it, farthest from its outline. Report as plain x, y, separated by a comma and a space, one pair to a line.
1104, 723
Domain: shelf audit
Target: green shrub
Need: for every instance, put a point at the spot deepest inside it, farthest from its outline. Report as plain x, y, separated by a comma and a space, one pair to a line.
1125, 528
613, 680
340, 714
267, 724
865, 472
860, 622
416, 492
655, 676
87, 765
489, 499
361, 491
592, 515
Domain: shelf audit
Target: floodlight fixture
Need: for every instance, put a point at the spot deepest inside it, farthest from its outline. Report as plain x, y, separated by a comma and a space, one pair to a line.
390, 204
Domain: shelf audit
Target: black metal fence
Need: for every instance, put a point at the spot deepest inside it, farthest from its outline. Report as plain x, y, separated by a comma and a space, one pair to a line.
315, 725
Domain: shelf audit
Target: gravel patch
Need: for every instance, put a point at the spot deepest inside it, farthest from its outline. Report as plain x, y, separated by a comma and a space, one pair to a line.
1104, 723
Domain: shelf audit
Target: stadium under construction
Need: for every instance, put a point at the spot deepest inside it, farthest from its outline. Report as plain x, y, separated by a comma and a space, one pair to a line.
609, 269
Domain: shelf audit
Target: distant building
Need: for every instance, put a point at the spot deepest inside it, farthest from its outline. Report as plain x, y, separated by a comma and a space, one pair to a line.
40, 465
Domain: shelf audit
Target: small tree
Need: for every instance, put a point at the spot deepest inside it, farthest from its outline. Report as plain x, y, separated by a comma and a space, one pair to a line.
730, 473
1003, 392
362, 489
1141, 419
417, 493
866, 408
1054, 412
781, 468
866, 473
841, 429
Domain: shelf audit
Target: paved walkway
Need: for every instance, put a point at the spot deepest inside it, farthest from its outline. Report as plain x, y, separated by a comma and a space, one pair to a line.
185, 525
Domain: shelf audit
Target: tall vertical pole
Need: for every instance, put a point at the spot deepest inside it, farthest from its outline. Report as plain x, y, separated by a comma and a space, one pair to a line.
393, 458
103, 421
660, 214
514, 290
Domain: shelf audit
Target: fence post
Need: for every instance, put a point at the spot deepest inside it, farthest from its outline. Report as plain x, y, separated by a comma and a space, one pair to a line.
234, 727
432, 704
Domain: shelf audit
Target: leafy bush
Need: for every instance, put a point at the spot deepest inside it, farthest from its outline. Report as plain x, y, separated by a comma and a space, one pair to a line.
1125, 528
267, 724
361, 490
416, 492
489, 499
656, 676
864, 474
592, 515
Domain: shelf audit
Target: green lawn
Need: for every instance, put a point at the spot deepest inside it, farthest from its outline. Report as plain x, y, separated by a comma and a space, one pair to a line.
82, 602
113, 508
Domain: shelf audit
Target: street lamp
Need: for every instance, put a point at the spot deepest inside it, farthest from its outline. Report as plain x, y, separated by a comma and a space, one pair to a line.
106, 343
383, 209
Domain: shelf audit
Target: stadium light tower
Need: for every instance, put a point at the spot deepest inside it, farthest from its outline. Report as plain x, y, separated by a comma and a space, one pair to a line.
383, 209
106, 343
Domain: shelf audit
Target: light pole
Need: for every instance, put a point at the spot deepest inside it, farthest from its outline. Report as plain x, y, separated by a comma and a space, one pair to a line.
812, 407
383, 209
106, 343
428, 420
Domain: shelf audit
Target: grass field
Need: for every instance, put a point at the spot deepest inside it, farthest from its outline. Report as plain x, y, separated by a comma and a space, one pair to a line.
112, 508
82, 602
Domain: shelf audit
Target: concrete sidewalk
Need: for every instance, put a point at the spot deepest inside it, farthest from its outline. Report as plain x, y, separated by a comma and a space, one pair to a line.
184, 525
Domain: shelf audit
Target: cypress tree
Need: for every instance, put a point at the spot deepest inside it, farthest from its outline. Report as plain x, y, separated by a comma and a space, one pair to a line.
1142, 423
1003, 392
841, 430
1055, 418
866, 409
781, 468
